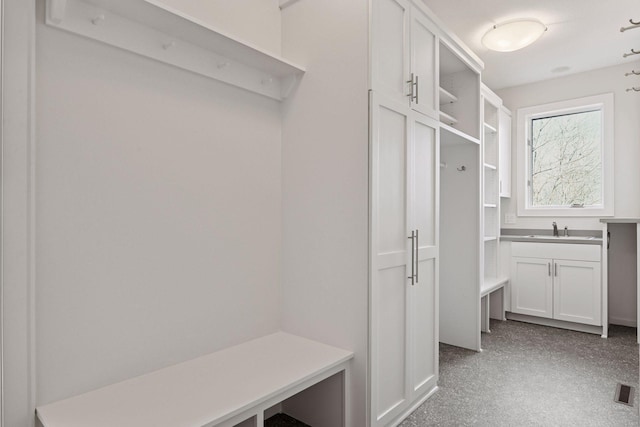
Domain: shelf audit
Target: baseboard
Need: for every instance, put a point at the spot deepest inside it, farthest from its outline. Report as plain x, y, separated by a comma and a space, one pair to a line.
413, 407
555, 323
632, 323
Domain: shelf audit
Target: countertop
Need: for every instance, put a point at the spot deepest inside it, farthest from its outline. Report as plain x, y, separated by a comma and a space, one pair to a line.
580, 237
620, 220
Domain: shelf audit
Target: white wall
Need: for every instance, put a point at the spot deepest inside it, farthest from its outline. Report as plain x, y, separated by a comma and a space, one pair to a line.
325, 182
158, 212
254, 21
627, 137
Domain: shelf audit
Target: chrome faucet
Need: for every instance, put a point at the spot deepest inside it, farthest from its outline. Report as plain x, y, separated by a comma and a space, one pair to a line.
566, 231
555, 229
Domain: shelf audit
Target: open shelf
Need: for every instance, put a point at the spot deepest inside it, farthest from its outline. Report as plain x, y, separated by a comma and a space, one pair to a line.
450, 135
154, 30
447, 97
489, 128
447, 119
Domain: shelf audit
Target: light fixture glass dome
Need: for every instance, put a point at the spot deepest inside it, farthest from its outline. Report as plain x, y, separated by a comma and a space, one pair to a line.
513, 35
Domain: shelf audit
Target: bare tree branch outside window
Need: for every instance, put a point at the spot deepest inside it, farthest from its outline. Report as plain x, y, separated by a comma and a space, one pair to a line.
566, 160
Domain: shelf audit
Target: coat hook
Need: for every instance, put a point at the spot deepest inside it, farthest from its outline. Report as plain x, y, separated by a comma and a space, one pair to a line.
169, 45
633, 52
98, 19
462, 168
632, 73
633, 25
635, 89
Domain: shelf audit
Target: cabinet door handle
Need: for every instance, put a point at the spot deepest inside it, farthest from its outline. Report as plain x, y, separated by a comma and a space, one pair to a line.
549, 266
555, 265
413, 276
411, 84
417, 259
417, 90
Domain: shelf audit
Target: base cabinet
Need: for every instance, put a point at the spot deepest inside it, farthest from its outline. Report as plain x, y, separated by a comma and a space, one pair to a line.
532, 287
577, 292
567, 287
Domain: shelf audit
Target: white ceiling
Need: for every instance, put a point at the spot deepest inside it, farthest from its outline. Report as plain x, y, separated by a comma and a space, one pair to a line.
582, 35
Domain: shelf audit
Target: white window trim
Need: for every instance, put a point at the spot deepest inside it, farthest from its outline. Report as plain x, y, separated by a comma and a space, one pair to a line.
604, 101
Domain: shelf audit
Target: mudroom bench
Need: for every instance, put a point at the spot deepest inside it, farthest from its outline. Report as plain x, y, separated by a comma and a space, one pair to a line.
228, 388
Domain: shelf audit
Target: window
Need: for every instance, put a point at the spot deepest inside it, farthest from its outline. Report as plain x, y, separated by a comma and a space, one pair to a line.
565, 155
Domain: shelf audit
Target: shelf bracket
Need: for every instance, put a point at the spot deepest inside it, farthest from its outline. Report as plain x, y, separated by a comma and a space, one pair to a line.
56, 10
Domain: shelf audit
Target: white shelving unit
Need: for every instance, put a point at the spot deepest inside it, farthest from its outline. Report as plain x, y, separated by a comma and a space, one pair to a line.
492, 288
460, 199
154, 30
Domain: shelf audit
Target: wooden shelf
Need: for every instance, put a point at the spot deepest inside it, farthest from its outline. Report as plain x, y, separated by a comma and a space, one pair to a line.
489, 128
490, 166
450, 135
447, 97
448, 119
154, 30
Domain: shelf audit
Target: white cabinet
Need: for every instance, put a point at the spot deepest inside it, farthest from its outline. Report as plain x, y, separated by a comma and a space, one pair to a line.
532, 286
557, 281
404, 54
577, 291
404, 155
504, 142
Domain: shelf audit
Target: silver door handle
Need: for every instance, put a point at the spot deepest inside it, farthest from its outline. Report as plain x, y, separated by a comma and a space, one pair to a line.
549, 265
417, 259
413, 276
417, 90
411, 94
555, 265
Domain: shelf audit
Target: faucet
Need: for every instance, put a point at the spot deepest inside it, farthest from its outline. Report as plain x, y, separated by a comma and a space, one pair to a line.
566, 231
555, 229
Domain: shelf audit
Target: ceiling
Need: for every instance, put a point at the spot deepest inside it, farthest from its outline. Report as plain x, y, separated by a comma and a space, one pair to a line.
582, 35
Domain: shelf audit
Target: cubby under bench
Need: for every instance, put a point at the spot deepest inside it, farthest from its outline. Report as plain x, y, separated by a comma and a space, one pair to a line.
231, 387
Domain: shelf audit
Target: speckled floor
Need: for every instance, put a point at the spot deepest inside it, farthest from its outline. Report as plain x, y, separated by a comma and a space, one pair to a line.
530, 375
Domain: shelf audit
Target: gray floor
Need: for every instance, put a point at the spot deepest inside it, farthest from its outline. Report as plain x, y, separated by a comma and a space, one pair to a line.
531, 375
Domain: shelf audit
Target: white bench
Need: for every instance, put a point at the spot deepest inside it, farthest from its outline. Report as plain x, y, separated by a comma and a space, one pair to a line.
231, 387
489, 287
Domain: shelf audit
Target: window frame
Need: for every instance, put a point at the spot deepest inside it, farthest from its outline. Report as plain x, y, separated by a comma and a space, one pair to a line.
604, 103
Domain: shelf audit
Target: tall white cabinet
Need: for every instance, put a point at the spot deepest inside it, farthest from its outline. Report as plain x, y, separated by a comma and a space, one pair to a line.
396, 45
404, 363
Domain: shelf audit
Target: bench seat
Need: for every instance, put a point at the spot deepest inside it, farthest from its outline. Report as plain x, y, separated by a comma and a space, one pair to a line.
216, 389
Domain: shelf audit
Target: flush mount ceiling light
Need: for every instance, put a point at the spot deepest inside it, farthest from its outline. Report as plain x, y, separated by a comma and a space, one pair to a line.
513, 35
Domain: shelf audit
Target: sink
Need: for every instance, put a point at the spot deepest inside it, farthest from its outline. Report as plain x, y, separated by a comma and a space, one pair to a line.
542, 236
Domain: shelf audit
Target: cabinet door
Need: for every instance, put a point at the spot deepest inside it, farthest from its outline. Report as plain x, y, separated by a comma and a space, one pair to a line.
423, 295
390, 258
390, 34
532, 286
423, 64
504, 142
577, 292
